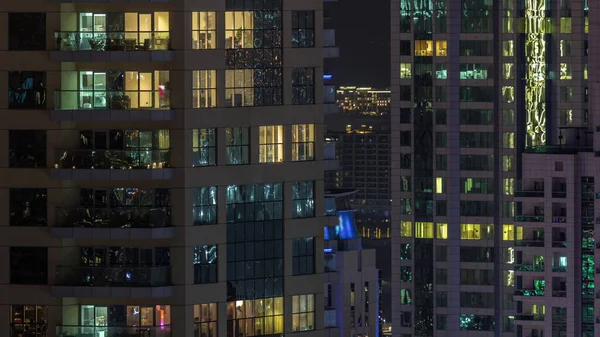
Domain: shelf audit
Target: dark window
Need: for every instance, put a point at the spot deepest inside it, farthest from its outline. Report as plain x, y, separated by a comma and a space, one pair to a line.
27, 31
29, 320
26, 90
303, 29
303, 86
28, 265
205, 205
27, 148
303, 199
237, 146
254, 241
303, 256
405, 49
405, 115
28, 207
205, 264
204, 147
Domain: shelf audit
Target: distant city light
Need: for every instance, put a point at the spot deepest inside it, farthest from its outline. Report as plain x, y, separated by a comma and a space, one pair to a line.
327, 77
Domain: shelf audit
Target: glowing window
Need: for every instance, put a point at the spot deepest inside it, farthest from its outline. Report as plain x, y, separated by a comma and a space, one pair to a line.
424, 230
586, 26
405, 70
508, 232
269, 311
442, 231
423, 48
508, 71
519, 233
441, 48
440, 185
509, 278
585, 71
270, 144
509, 186
565, 71
565, 25
303, 312
406, 229
204, 30
508, 140
476, 231
508, 48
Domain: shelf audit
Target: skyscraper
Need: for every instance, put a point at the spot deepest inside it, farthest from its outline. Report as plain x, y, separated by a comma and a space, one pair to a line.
489, 109
161, 166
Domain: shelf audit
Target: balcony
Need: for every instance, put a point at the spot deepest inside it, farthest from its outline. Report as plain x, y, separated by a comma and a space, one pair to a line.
101, 281
529, 317
529, 292
130, 46
136, 164
114, 105
529, 194
559, 244
529, 218
113, 223
558, 149
529, 243
106, 331
529, 267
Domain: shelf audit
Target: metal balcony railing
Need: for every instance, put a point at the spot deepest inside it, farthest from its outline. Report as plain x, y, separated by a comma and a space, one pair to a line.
112, 41
139, 158
102, 276
117, 217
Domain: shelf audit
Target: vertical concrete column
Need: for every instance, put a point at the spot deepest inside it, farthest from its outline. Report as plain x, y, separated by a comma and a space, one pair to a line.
4, 144
287, 143
254, 144
182, 320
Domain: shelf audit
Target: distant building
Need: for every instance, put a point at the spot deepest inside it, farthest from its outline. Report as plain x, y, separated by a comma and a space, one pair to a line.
360, 134
352, 281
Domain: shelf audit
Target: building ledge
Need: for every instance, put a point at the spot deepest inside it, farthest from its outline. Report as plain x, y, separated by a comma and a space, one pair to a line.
114, 174
113, 56
112, 292
113, 233
91, 115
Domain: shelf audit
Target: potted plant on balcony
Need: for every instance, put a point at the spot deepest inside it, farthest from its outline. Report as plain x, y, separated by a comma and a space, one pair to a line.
120, 101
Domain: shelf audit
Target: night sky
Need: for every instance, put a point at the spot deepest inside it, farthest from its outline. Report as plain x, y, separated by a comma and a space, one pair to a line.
362, 29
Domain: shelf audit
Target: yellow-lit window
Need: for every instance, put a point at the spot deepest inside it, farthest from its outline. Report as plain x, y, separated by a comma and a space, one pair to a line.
508, 140
470, 231
406, 229
586, 26
239, 29
508, 48
423, 48
538, 309
509, 255
440, 185
508, 163
204, 86
508, 94
585, 71
519, 233
405, 70
509, 278
204, 30
270, 140
476, 231
424, 230
303, 312
442, 231
508, 232
565, 71
509, 186
508, 71
270, 310
565, 25
303, 142
507, 25
206, 318
441, 48
565, 48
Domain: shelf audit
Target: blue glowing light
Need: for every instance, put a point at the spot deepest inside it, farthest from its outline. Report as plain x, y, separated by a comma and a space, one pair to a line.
327, 76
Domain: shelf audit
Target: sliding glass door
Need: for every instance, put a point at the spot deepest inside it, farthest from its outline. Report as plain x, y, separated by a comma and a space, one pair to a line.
92, 90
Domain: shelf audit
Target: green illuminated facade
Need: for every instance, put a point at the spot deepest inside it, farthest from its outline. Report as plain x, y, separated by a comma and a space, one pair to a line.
493, 168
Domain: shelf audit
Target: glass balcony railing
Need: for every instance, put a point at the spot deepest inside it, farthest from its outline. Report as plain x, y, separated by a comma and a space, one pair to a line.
112, 41
121, 217
112, 159
530, 292
529, 317
109, 331
113, 276
111, 99
529, 218
529, 243
529, 267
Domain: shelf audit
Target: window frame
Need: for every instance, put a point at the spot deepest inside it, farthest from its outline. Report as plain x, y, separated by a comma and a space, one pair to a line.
298, 311
271, 138
200, 89
303, 253
205, 201
206, 271
303, 29
209, 150
237, 143
303, 142
198, 20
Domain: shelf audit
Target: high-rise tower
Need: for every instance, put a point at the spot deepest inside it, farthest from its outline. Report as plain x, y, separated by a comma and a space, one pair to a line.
485, 95
162, 169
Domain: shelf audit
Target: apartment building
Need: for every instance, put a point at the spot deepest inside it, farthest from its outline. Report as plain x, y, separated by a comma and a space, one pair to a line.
161, 162
492, 168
